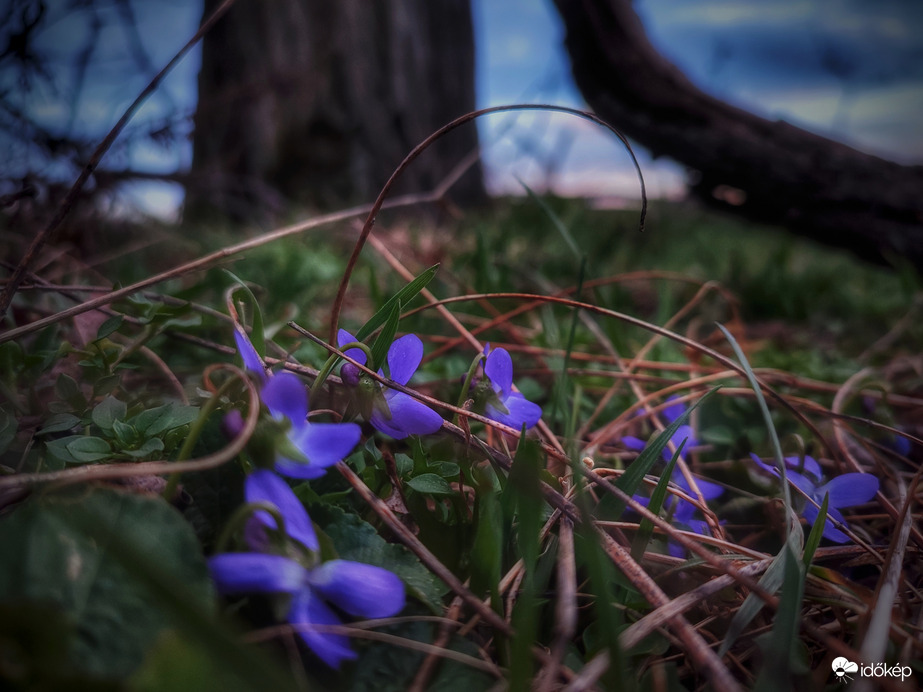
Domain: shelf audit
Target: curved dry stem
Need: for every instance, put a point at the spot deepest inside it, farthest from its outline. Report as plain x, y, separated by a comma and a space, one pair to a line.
425, 144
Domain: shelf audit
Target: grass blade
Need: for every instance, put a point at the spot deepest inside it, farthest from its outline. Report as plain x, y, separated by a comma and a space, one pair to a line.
402, 297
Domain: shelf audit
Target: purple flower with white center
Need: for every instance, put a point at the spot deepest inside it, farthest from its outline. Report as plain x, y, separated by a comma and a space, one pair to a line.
495, 393
846, 490
393, 413
683, 433
314, 446
353, 587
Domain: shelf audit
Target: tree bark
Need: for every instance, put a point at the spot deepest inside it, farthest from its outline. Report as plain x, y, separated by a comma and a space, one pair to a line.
317, 102
767, 171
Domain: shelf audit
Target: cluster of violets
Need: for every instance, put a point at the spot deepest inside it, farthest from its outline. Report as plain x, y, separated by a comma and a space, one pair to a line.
846, 490
283, 556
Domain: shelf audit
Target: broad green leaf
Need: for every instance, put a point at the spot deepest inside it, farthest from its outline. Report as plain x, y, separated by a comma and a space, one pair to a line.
87, 449
8, 427
46, 558
446, 469
109, 410
109, 326
150, 446
162, 418
357, 540
430, 484
66, 387
402, 297
59, 422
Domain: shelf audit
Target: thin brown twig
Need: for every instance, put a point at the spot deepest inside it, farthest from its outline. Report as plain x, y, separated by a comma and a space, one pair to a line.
204, 262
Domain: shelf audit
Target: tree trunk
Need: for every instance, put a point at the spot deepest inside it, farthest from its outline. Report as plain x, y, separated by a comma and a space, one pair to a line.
317, 102
770, 172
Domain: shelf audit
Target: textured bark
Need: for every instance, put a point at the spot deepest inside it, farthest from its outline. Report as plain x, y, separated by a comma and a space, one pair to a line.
767, 171
317, 101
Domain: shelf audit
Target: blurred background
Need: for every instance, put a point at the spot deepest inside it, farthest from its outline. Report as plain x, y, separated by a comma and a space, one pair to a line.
308, 104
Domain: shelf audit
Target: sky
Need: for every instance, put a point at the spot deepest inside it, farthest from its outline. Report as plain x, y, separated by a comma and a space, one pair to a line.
848, 69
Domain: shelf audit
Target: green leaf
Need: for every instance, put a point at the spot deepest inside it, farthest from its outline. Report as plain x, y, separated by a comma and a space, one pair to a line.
8, 427
646, 529
45, 557
385, 337
125, 434
158, 420
817, 532
357, 540
487, 549
87, 449
59, 422
402, 297
446, 469
430, 484
109, 326
66, 387
150, 446
109, 410
781, 661
57, 449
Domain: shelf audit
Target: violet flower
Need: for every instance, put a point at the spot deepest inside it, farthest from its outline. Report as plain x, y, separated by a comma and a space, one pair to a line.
846, 490
495, 396
683, 510
683, 433
313, 447
352, 587
393, 413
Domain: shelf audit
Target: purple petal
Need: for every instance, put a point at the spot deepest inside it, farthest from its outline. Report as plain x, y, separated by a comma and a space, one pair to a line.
357, 354
674, 411
830, 532
265, 486
324, 444
849, 489
307, 609
803, 483
645, 501
408, 417
404, 357
359, 589
768, 468
499, 369
285, 395
683, 433
708, 489
251, 358
810, 465
521, 410
233, 424
240, 573
634, 443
